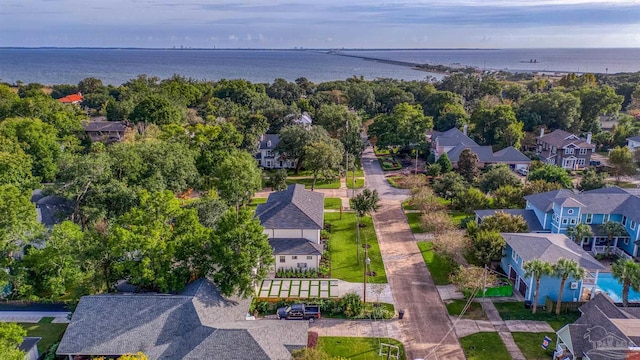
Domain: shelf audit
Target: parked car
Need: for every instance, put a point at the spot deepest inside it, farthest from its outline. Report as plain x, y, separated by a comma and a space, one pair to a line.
523, 171
300, 312
595, 163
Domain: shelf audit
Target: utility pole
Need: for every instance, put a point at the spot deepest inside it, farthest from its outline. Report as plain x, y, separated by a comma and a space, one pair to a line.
416, 161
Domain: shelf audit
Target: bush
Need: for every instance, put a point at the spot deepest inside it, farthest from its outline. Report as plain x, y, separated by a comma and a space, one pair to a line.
352, 305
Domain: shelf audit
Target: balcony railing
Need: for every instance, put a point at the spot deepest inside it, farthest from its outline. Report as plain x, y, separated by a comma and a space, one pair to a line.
612, 250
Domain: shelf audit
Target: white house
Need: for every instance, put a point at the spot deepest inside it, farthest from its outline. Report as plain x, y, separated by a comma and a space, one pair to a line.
267, 156
293, 219
633, 143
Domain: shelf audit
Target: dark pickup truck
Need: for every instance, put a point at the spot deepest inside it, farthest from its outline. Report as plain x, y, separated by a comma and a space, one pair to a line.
299, 311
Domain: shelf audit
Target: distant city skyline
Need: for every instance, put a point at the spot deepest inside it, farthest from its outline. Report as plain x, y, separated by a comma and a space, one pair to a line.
321, 24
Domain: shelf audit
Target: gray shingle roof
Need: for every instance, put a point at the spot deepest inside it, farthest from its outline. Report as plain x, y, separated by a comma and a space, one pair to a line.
533, 224
99, 126
550, 248
611, 200
596, 322
50, 209
560, 139
295, 247
452, 137
28, 343
199, 324
485, 153
269, 141
634, 138
511, 155
293, 208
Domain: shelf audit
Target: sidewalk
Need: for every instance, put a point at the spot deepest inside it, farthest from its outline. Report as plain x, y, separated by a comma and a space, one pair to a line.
33, 316
357, 328
502, 329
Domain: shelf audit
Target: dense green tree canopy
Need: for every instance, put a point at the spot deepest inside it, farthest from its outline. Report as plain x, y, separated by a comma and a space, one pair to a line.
405, 126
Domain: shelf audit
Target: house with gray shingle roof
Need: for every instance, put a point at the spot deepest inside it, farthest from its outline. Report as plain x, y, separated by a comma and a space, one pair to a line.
564, 149
523, 247
197, 324
105, 131
453, 142
559, 210
603, 331
293, 219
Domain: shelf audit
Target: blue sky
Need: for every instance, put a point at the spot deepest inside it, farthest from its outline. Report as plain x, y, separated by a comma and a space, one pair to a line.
321, 24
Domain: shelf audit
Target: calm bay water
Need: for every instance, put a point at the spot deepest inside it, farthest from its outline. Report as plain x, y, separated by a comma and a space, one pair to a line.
115, 66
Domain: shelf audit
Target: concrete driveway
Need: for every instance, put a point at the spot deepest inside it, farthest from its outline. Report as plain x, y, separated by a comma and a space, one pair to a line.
427, 332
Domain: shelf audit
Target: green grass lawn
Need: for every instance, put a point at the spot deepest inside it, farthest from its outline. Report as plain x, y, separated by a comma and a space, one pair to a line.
414, 223
332, 203
457, 217
359, 183
255, 202
359, 173
356, 348
344, 264
319, 183
440, 266
474, 312
484, 346
407, 205
516, 311
531, 345
393, 181
50, 333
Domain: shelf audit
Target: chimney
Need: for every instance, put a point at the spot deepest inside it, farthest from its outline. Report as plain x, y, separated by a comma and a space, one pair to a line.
541, 132
589, 137
464, 129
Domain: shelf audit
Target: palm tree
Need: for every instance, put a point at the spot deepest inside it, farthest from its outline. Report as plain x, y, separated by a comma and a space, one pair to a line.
628, 273
564, 269
612, 229
537, 268
579, 232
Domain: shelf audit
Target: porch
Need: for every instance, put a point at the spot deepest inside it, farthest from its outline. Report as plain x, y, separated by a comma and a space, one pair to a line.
597, 250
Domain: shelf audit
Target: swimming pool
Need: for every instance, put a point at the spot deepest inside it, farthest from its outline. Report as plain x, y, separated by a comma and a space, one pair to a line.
610, 285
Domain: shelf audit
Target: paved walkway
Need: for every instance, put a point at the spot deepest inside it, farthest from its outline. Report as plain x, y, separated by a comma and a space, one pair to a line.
502, 329
33, 316
322, 288
426, 330
357, 328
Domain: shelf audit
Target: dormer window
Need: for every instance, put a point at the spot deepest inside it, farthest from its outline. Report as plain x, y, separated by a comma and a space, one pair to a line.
269, 143
570, 211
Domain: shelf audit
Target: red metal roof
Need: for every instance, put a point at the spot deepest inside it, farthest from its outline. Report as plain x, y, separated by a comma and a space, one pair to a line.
71, 99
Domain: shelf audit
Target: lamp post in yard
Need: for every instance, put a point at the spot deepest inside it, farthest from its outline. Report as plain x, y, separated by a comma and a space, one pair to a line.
367, 261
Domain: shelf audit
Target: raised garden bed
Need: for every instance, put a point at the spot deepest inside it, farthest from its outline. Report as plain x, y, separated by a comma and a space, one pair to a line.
389, 163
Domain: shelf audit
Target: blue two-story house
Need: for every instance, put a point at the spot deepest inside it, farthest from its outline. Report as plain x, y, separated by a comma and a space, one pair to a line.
523, 247
559, 210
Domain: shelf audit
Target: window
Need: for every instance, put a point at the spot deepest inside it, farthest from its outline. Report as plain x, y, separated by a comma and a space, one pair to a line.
626, 241
624, 220
589, 218
632, 225
302, 265
583, 152
294, 257
282, 259
605, 218
514, 255
309, 257
565, 221
568, 151
570, 211
553, 150
573, 221
581, 162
